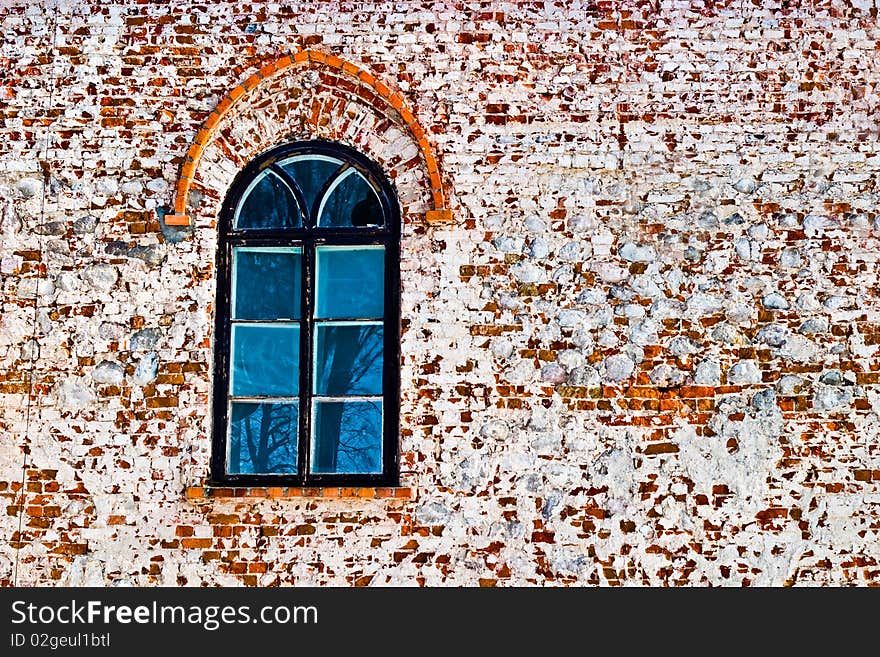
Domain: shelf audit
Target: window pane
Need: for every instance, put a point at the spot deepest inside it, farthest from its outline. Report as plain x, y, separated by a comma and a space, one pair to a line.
267, 204
347, 437
351, 202
350, 282
262, 438
266, 283
265, 360
311, 173
348, 359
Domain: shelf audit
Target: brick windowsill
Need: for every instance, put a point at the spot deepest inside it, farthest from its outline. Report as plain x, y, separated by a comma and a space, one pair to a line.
197, 493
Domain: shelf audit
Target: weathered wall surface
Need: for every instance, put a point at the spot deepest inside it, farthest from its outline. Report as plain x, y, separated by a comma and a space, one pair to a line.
644, 352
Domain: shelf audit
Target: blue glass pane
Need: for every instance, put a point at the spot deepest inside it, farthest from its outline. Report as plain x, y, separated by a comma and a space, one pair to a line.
268, 204
348, 359
347, 437
350, 282
262, 438
351, 203
266, 283
311, 173
265, 360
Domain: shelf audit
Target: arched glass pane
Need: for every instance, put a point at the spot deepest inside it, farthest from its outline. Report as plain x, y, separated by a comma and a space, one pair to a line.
351, 202
311, 173
267, 203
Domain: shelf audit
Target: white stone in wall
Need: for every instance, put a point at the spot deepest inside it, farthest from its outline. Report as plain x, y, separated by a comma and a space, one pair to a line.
526, 272
799, 349
744, 372
775, 301
31, 287
831, 398
101, 277
637, 253
707, 373
815, 224
67, 281
108, 372
618, 367
74, 393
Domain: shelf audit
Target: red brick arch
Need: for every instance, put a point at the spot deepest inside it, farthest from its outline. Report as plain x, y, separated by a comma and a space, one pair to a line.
393, 101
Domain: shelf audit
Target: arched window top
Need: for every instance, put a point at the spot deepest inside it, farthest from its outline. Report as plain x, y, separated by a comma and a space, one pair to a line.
306, 356
311, 186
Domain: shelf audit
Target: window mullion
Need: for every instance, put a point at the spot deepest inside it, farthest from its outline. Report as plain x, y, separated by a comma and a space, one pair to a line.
307, 329
223, 350
391, 362
322, 193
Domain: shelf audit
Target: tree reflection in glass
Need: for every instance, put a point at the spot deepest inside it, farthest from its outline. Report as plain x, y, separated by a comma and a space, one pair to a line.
348, 436
263, 438
265, 360
348, 359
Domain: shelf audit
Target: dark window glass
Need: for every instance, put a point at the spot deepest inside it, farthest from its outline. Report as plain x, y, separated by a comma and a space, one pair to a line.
351, 202
311, 173
306, 359
269, 204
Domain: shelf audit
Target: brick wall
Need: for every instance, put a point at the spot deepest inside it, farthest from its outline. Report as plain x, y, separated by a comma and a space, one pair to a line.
643, 350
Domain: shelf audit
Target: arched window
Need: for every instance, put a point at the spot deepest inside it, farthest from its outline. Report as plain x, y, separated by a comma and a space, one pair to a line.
306, 353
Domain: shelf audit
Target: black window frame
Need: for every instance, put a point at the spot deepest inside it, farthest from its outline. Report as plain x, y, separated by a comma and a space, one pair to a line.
308, 237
